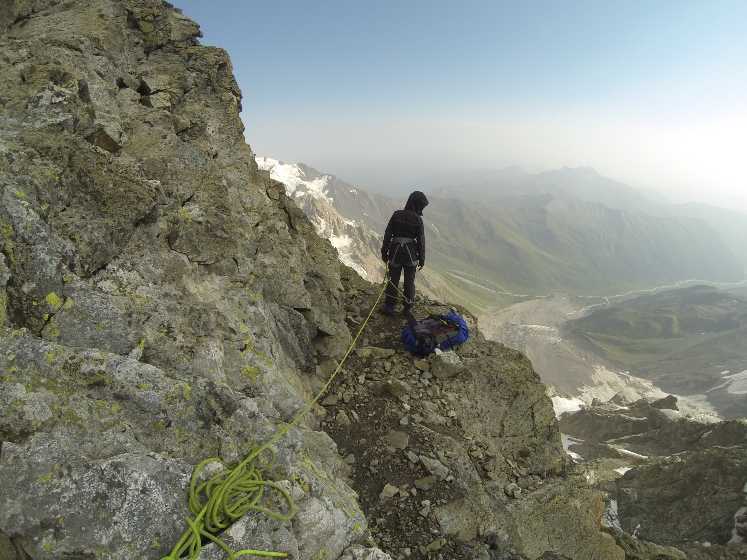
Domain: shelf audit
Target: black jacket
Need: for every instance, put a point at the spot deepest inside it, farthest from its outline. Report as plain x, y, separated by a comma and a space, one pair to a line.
407, 223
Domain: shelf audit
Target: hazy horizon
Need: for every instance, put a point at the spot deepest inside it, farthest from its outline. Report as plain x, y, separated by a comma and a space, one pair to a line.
383, 95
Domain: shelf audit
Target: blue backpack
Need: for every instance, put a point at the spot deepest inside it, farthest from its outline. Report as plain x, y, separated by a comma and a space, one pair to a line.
436, 331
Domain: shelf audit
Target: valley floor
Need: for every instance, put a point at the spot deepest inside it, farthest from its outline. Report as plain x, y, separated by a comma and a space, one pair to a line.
578, 374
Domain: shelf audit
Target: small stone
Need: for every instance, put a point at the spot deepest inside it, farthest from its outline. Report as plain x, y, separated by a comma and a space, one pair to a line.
512, 490
350, 459
422, 365
388, 366
160, 100
388, 492
404, 421
446, 365
330, 400
412, 457
342, 419
426, 509
436, 545
425, 483
397, 439
435, 467
374, 352
397, 388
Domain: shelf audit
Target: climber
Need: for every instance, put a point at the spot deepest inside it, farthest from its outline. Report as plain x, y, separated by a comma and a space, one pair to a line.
404, 248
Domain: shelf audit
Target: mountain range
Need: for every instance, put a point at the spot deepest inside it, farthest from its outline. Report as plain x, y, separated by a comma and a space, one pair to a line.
498, 236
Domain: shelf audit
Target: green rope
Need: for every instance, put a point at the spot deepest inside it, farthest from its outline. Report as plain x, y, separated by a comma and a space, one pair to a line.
225, 497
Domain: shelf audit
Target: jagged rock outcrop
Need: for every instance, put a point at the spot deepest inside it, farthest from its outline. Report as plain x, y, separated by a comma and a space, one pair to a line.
643, 428
461, 462
692, 497
676, 487
160, 296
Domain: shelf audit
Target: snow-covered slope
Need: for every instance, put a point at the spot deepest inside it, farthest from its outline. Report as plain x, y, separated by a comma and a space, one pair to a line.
315, 193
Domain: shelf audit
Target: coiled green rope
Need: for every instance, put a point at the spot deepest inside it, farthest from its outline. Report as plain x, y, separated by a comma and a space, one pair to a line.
228, 495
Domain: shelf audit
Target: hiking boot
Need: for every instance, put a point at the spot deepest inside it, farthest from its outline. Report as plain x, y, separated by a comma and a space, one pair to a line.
388, 309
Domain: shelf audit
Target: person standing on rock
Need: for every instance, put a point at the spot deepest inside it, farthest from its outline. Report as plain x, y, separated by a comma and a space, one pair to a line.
404, 248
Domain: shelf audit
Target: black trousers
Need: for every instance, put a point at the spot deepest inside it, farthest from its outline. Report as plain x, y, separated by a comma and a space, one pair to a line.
395, 272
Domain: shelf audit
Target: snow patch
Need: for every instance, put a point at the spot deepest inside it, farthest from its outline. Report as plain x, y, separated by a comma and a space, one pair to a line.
568, 442
735, 384
628, 453
623, 470
562, 405
297, 184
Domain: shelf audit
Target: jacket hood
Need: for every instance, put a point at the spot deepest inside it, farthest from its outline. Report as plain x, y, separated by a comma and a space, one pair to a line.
416, 202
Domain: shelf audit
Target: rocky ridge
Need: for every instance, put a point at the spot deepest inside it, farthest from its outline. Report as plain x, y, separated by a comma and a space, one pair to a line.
458, 455
670, 480
143, 325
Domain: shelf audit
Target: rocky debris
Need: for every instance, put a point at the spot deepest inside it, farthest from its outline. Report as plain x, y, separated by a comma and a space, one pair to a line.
512, 490
435, 467
342, 418
425, 483
388, 492
358, 552
397, 439
433, 454
371, 352
674, 483
640, 430
564, 517
661, 502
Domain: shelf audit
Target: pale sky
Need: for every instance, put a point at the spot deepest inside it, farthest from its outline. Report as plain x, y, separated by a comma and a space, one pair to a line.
383, 93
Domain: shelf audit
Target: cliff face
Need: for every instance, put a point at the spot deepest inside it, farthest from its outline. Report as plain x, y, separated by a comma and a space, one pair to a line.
163, 301
161, 297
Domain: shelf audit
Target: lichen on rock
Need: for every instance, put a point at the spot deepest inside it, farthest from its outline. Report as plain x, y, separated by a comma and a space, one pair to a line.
146, 263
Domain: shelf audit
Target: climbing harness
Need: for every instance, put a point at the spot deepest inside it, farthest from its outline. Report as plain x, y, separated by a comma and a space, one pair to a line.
398, 244
227, 496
